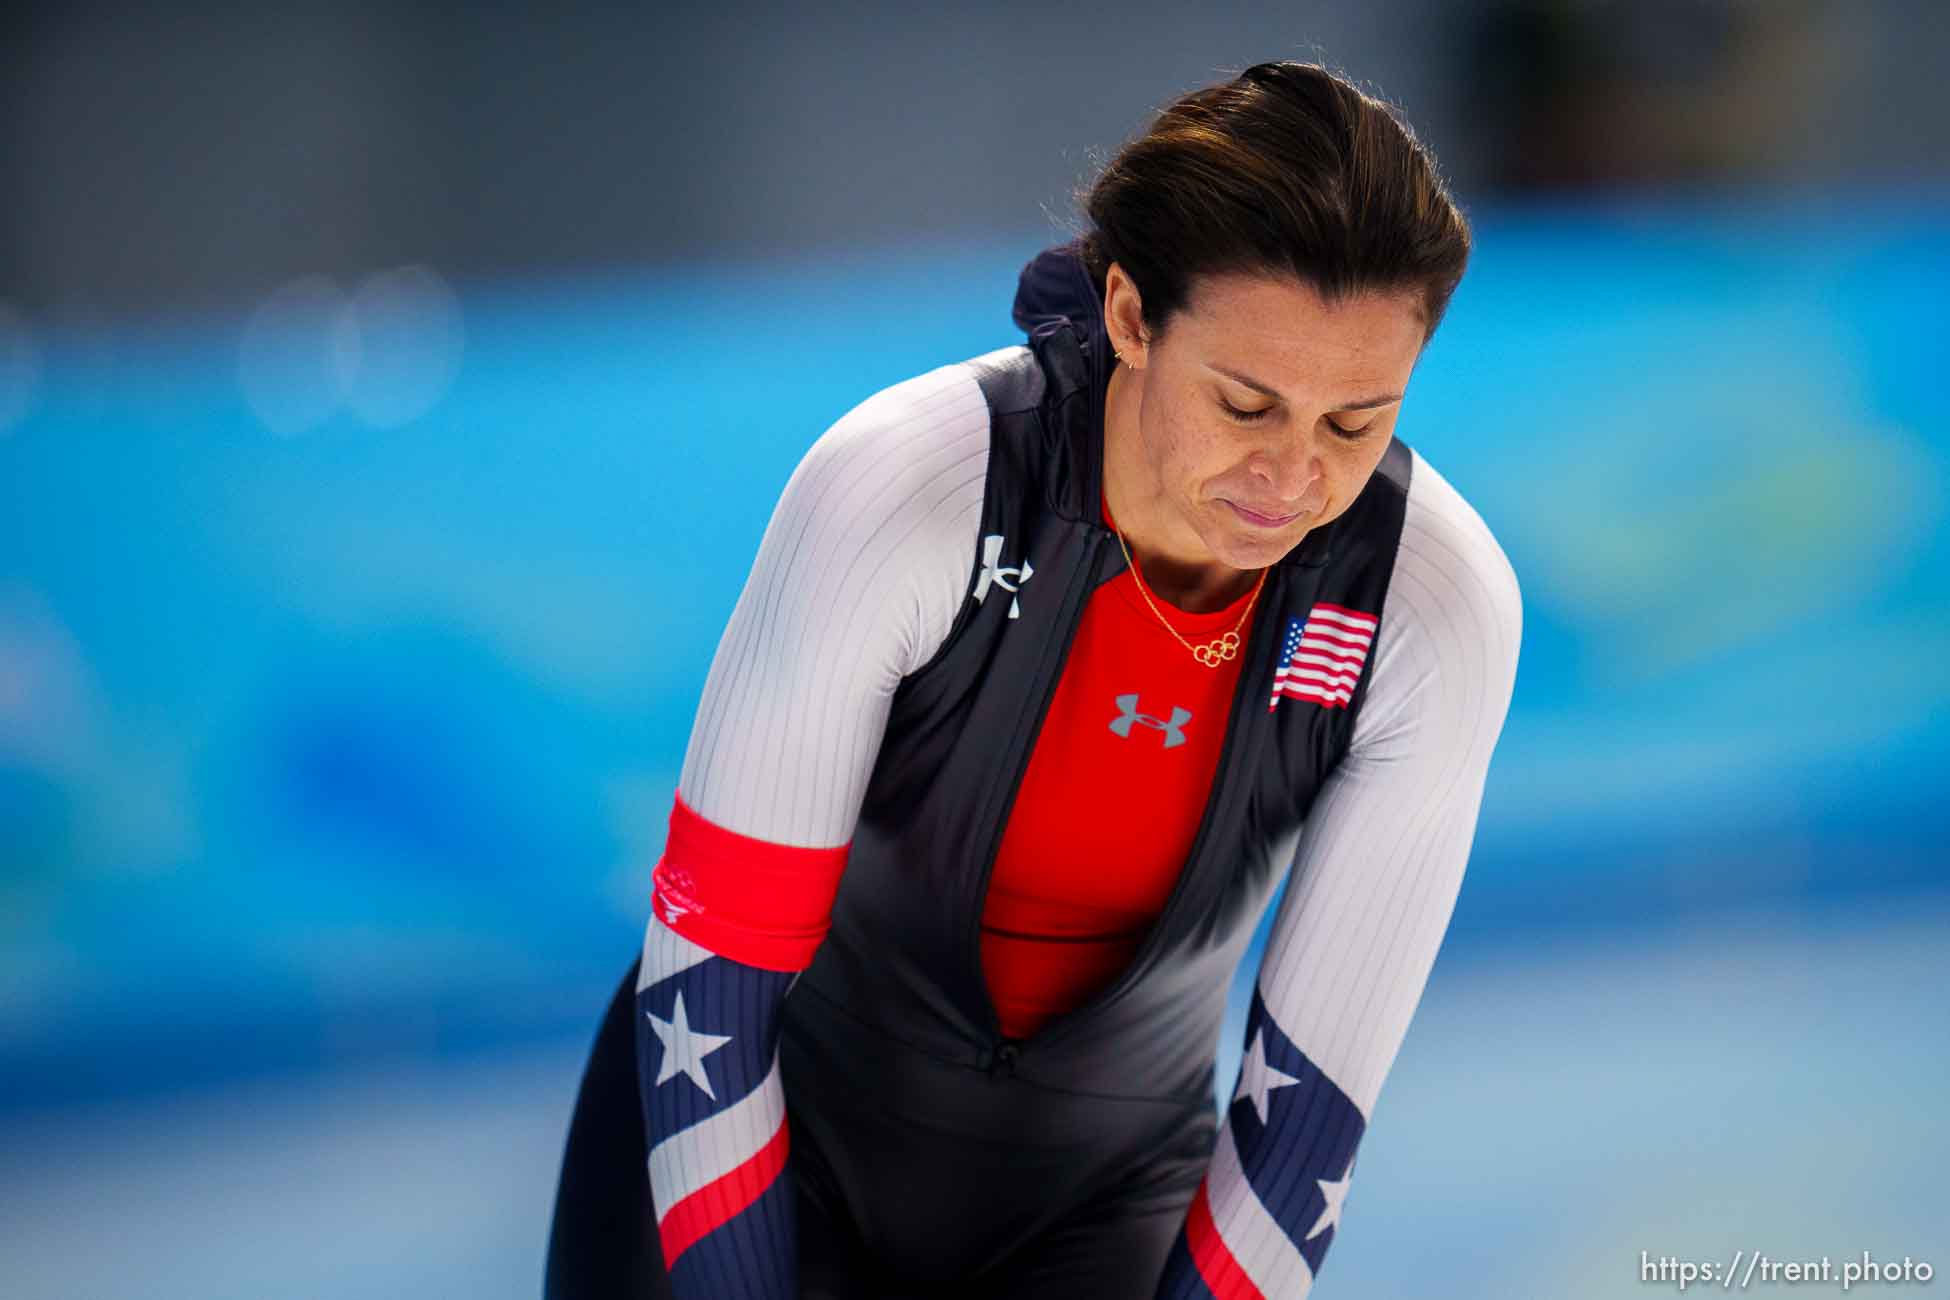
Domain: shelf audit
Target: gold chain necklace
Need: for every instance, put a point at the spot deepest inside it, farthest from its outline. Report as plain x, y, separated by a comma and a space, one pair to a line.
1218, 649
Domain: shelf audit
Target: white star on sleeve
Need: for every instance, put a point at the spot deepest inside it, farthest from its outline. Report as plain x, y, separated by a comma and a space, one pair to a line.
1335, 1192
1257, 1078
685, 1048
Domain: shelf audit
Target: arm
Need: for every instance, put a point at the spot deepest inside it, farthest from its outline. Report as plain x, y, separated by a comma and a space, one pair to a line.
861, 571
1374, 882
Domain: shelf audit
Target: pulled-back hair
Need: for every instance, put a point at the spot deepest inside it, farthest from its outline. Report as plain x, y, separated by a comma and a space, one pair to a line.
1285, 169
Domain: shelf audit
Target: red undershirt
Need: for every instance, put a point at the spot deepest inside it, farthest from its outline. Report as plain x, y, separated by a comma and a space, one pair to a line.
1103, 822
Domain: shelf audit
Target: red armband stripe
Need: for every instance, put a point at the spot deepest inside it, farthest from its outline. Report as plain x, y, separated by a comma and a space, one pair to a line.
759, 903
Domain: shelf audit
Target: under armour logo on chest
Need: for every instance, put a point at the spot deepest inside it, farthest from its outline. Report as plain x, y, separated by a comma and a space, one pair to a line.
995, 573
1174, 728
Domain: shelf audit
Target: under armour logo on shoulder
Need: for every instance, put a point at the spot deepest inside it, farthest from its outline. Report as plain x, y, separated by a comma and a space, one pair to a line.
994, 572
1174, 729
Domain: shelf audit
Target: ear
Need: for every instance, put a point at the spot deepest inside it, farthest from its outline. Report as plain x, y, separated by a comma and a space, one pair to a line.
1124, 317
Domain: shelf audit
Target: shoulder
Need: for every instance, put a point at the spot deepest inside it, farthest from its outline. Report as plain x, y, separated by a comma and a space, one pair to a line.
1451, 624
912, 456
1451, 557
907, 436
882, 513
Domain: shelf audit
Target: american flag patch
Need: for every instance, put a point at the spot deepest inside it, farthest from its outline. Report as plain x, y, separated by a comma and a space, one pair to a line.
1321, 656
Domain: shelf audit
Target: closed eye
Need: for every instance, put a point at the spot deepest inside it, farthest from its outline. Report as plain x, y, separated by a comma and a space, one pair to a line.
1245, 417
1340, 431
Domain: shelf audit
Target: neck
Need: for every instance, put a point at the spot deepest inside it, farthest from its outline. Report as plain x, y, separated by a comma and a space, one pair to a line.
1172, 561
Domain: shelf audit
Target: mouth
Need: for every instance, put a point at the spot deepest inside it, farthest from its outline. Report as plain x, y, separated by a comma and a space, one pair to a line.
1262, 520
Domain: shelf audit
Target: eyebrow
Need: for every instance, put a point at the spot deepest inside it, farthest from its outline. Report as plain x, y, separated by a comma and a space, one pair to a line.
1365, 404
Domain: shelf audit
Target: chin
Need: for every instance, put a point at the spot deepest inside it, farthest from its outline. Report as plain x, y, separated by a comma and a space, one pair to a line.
1268, 552
1253, 549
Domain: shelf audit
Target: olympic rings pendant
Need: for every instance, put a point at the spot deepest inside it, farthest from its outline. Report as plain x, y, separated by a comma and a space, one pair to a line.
1214, 653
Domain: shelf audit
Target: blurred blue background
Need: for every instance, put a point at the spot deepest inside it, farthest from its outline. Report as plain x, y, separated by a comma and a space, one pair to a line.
390, 407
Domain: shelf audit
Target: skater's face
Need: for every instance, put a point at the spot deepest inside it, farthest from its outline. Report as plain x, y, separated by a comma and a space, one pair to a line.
1257, 414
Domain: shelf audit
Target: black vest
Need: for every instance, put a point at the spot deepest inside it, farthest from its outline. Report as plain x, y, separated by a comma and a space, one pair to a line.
894, 1011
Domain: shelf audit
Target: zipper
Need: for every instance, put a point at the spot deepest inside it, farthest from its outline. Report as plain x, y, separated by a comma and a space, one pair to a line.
1223, 779
1004, 1060
1003, 1050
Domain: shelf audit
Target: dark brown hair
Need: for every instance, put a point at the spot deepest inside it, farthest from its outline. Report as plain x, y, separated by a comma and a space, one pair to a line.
1289, 169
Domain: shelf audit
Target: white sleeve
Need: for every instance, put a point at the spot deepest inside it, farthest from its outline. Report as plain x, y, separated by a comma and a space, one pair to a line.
1375, 878
861, 572
1381, 857
859, 577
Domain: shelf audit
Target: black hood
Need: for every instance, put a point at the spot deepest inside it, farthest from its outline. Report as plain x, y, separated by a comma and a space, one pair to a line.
1060, 310
1054, 288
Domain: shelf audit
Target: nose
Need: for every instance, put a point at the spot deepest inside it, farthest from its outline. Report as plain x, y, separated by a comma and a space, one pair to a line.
1287, 469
